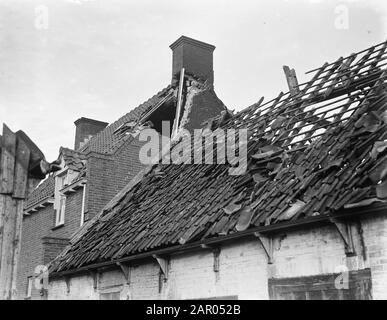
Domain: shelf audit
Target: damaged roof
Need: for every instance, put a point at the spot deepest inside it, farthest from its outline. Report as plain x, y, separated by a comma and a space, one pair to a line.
43, 191
310, 153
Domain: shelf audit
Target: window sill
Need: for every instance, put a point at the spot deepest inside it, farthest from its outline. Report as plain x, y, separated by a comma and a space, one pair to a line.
58, 226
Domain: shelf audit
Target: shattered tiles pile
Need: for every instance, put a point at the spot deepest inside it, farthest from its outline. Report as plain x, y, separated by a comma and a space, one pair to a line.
311, 152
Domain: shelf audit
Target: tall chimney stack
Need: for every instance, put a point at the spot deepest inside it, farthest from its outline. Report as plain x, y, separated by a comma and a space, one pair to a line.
85, 129
196, 57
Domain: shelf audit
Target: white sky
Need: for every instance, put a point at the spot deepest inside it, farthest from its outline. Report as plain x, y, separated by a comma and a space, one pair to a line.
101, 58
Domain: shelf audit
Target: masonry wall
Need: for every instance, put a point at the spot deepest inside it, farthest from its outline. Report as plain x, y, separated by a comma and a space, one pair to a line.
72, 216
243, 271
41, 241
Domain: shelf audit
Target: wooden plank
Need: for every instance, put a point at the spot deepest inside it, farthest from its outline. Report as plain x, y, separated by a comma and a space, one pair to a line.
345, 231
7, 161
10, 215
21, 170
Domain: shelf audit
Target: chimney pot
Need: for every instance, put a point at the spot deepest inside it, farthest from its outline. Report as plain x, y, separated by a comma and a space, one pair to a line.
196, 57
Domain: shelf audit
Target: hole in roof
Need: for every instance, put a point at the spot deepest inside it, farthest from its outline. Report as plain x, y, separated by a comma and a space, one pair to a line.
165, 112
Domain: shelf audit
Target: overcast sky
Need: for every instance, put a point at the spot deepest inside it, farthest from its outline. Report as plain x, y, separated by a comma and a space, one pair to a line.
101, 58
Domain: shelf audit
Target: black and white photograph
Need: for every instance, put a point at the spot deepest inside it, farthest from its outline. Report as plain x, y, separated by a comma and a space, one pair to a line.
202, 152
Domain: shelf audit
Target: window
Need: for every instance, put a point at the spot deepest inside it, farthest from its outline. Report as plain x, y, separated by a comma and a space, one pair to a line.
60, 199
29, 287
322, 287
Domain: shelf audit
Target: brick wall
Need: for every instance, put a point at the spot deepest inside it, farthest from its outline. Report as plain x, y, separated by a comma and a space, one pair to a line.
243, 270
375, 240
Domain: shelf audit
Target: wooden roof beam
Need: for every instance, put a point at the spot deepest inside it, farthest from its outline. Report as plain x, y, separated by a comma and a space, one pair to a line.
291, 78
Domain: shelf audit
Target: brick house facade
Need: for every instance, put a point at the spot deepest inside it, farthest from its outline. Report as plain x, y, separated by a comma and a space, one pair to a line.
105, 159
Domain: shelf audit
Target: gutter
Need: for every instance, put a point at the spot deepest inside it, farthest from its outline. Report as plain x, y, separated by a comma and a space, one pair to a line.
322, 219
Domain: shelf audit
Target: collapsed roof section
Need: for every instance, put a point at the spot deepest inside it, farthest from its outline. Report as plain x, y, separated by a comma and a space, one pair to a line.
161, 107
311, 152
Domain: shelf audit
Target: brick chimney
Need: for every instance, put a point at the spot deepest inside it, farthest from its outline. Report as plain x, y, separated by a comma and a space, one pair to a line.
196, 57
85, 129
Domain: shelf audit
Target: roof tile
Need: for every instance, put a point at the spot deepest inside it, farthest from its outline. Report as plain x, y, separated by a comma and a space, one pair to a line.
323, 165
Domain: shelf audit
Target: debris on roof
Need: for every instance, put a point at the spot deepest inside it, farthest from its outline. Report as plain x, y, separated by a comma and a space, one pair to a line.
43, 191
110, 139
310, 153
73, 160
